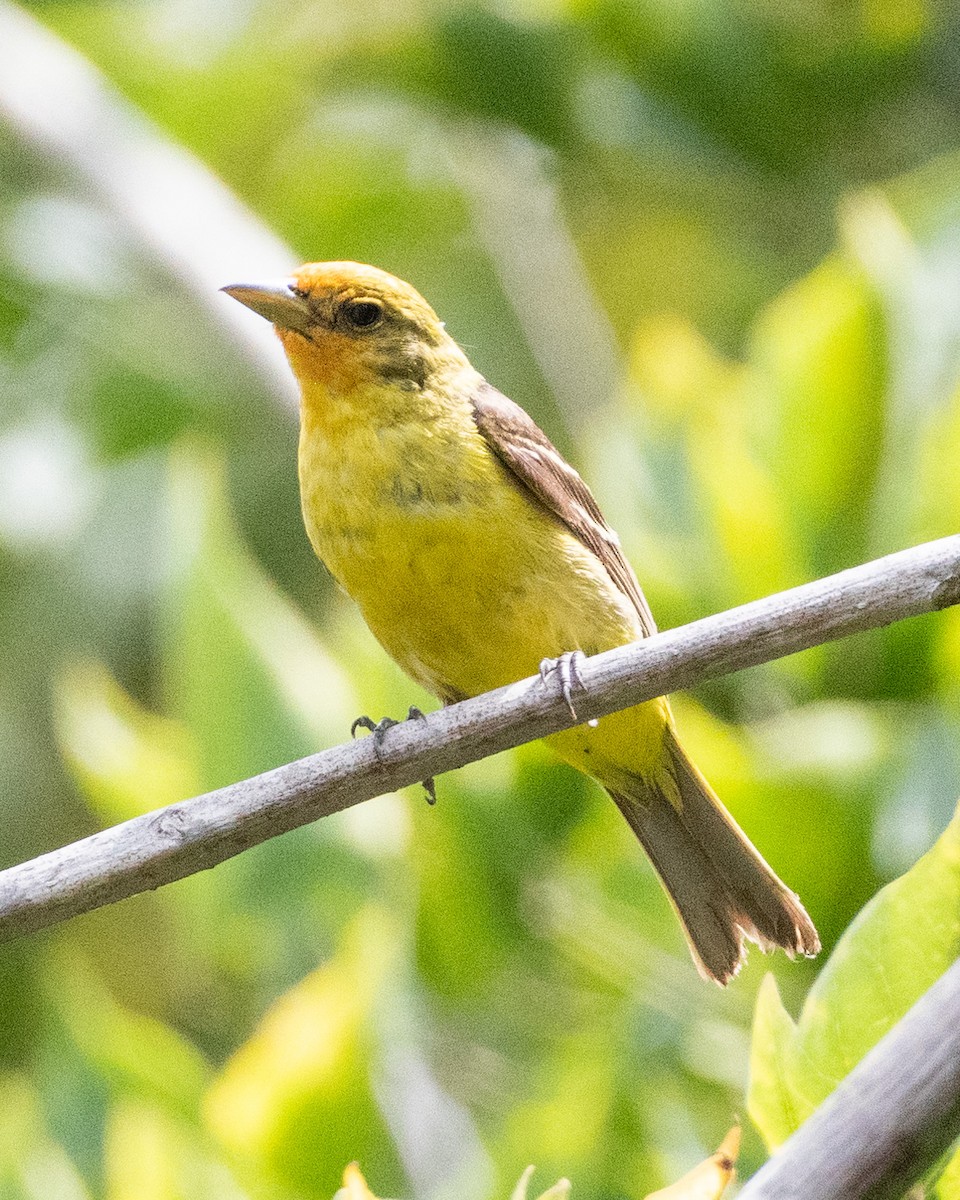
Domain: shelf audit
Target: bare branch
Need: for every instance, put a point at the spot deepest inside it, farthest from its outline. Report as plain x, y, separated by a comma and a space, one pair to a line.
888, 1122
193, 835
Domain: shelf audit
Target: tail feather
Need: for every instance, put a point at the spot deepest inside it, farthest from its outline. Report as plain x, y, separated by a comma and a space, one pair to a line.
721, 887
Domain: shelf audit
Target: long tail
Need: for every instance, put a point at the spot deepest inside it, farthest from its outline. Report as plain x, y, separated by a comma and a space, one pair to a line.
722, 889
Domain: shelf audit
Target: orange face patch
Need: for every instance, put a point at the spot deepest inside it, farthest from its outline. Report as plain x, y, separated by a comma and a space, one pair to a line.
331, 359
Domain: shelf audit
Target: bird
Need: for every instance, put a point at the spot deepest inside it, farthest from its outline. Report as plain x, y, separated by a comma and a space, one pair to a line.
478, 555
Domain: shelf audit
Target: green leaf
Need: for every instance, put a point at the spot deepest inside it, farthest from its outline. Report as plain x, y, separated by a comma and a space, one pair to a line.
31, 1163
125, 759
899, 945
297, 1098
773, 1105
948, 1185
679, 380
820, 361
245, 672
150, 1155
936, 487
137, 1055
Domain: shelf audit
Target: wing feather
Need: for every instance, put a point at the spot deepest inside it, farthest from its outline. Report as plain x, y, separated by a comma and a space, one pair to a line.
528, 453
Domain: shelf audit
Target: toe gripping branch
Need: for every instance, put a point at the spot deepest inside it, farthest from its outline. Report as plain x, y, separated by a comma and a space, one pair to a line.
567, 668
379, 730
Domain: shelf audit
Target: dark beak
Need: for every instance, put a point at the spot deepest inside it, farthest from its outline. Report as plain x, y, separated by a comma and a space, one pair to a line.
277, 301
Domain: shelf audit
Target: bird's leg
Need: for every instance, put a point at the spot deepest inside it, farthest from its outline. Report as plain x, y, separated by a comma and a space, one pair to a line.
428, 784
379, 729
567, 667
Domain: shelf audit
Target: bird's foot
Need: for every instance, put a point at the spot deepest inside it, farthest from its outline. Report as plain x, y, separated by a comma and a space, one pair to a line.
567, 667
379, 730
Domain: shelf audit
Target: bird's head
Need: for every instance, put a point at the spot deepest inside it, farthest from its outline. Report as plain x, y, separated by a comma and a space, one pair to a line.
347, 326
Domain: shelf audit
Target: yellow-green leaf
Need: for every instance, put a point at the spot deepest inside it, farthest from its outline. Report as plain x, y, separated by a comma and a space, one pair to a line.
126, 760
245, 671
298, 1097
136, 1054
901, 942
151, 1155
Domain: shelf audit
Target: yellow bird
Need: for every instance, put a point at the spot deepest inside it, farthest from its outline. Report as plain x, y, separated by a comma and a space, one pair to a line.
475, 552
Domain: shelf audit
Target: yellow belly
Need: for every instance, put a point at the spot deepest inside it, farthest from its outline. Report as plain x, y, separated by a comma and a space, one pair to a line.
468, 584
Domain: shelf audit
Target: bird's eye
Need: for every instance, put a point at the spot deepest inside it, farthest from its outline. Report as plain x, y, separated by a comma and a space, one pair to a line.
363, 314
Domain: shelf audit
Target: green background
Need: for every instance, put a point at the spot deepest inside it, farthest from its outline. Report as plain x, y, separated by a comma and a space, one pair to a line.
714, 247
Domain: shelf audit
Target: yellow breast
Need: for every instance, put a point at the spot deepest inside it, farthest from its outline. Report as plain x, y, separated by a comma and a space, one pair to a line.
466, 581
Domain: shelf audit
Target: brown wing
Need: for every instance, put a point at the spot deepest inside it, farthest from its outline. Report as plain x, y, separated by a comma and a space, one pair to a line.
526, 451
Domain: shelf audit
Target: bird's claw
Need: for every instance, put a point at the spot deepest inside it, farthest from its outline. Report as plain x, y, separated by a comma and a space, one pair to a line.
567, 667
379, 728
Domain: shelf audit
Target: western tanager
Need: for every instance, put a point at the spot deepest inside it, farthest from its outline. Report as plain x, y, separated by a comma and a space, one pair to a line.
475, 552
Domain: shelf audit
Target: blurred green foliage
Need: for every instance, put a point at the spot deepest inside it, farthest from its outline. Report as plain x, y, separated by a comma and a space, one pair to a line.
897, 947
712, 245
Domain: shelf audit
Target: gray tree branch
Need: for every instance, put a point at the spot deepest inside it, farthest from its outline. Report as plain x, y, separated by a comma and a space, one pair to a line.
196, 834
888, 1122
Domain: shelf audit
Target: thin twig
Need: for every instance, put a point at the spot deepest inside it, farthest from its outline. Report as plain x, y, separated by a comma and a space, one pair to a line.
888, 1122
193, 835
